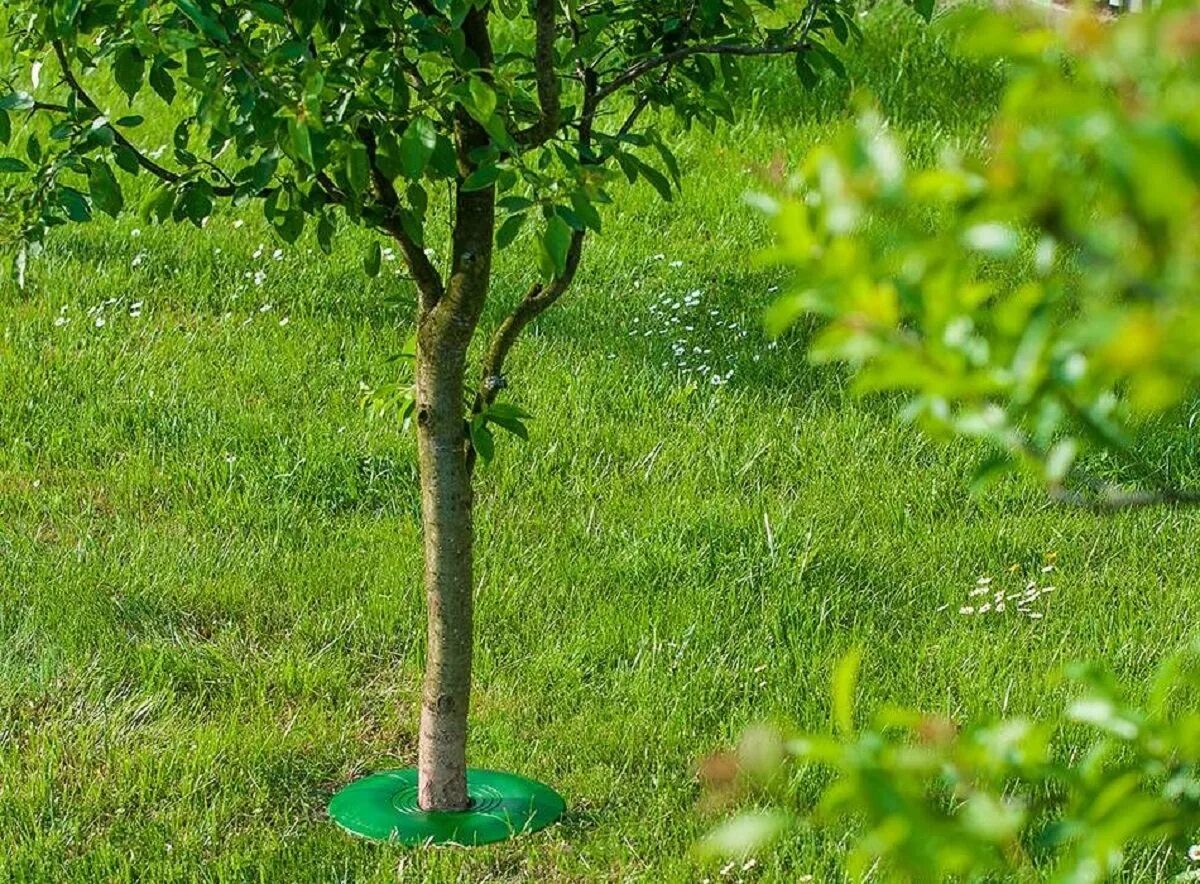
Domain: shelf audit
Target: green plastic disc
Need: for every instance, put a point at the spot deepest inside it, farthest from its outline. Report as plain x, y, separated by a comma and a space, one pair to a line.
383, 807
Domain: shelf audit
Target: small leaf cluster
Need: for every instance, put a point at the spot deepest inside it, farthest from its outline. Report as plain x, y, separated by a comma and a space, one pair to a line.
398, 400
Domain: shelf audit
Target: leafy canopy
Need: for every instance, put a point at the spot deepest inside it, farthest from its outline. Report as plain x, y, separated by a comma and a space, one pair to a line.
1043, 296
354, 111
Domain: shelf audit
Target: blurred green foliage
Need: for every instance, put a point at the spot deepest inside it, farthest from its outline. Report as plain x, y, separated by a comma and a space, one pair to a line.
1043, 295
1062, 799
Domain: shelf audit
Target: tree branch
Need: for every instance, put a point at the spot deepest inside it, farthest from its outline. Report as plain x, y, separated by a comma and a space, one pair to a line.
541, 296
537, 300
142, 160
646, 65
428, 280
548, 86
328, 188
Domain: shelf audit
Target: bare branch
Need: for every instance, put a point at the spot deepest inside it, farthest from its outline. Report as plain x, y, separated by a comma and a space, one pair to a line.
548, 86
640, 69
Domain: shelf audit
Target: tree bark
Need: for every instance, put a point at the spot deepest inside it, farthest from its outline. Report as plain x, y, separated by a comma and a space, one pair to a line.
444, 453
448, 536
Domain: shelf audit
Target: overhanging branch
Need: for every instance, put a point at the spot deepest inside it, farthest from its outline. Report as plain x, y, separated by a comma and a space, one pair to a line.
328, 188
638, 70
144, 161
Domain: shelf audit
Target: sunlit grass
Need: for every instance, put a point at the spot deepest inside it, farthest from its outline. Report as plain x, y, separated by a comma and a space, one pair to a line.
210, 607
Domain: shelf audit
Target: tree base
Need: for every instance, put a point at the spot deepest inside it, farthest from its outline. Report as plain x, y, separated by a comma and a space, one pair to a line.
383, 807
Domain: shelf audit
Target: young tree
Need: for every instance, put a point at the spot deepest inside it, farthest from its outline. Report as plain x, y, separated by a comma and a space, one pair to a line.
1043, 296
333, 112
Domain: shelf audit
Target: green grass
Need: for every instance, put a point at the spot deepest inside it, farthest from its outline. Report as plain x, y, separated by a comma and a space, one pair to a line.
210, 608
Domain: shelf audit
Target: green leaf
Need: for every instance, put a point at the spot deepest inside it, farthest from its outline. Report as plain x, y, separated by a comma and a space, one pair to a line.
482, 102
373, 260
5, 127
307, 13
444, 162
516, 427
656, 178
509, 229
75, 203
326, 228
11, 165
195, 203
482, 440
105, 191
805, 72
387, 157
301, 139
821, 54
509, 417
162, 82
358, 167
416, 146
196, 66
585, 209
158, 204
556, 241
207, 24
845, 679
126, 158
924, 8
269, 12
290, 224
509, 411
129, 70
17, 101
481, 178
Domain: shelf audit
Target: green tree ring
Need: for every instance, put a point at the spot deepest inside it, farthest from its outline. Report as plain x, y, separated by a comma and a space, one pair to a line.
383, 807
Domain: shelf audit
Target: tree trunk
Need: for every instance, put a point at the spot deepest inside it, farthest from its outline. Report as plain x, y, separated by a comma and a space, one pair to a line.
448, 531
444, 334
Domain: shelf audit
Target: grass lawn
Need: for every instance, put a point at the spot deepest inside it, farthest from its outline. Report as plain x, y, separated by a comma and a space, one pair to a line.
210, 605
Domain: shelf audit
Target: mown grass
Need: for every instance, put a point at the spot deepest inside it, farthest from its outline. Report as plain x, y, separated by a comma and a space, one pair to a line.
210, 610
